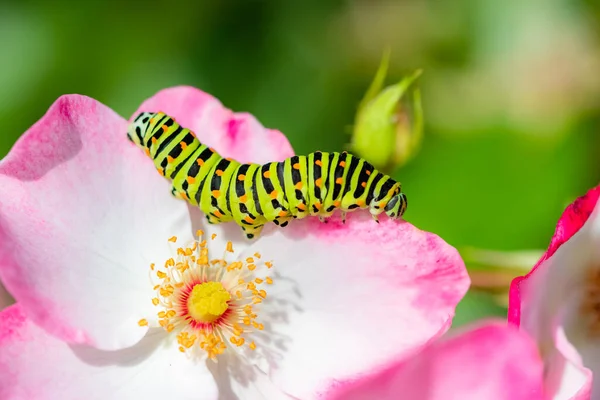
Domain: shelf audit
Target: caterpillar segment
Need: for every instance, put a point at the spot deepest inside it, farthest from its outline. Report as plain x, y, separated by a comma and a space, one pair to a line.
251, 195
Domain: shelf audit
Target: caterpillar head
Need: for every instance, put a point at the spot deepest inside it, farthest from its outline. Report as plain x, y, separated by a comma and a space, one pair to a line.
397, 205
138, 128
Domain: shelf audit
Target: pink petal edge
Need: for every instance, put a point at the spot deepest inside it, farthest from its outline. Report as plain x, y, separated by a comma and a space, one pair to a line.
572, 219
245, 139
79, 214
489, 360
355, 296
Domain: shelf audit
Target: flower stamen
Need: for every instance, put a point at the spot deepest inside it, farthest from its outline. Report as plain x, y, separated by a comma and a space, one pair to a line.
210, 304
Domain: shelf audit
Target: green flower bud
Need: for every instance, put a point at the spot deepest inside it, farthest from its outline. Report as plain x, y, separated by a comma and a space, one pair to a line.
386, 132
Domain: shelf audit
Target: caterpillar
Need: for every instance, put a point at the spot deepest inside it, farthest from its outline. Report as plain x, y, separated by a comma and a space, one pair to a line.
253, 194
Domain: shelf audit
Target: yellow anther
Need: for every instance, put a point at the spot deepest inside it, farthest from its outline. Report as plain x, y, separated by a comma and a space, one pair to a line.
166, 291
251, 286
163, 322
237, 341
234, 265
229, 247
269, 280
188, 251
257, 300
258, 326
252, 346
170, 262
180, 251
183, 267
257, 255
251, 267
171, 313
269, 264
162, 314
152, 266
161, 274
155, 301
249, 260
258, 281
246, 320
143, 322
173, 239
181, 349
262, 293
238, 294
237, 330
248, 309
199, 233
179, 285
241, 281
213, 236
170, 328
155, 287
203, 243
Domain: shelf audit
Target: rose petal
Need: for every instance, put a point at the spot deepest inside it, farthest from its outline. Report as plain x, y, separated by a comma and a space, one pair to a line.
235, 135
236, 379
38, 366
566, 378
570, 222
350, 298
491, 361
550, 298
82, 215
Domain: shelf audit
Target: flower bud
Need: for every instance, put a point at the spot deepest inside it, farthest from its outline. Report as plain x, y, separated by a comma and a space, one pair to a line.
386, 132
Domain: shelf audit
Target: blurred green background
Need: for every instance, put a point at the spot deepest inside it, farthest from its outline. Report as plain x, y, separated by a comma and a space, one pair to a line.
510, 90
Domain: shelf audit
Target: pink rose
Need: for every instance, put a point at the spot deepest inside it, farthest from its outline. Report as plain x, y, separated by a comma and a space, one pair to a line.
84, 215
558, 302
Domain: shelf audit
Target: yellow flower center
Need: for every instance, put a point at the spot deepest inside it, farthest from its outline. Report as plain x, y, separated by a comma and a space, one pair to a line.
210, 304
208, 301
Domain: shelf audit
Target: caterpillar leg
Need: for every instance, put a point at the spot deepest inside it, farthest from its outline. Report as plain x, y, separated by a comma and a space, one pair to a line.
282, 221
375, 217
252, 231
343, 217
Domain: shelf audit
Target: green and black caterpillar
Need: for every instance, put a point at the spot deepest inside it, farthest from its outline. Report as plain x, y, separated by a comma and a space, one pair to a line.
253, 194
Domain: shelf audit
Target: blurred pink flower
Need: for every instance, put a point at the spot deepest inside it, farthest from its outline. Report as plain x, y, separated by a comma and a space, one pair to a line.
558, 302
490, 361
83, 214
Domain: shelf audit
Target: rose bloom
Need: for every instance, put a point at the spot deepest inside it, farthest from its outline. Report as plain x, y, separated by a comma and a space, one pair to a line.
125, 292
558, 302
